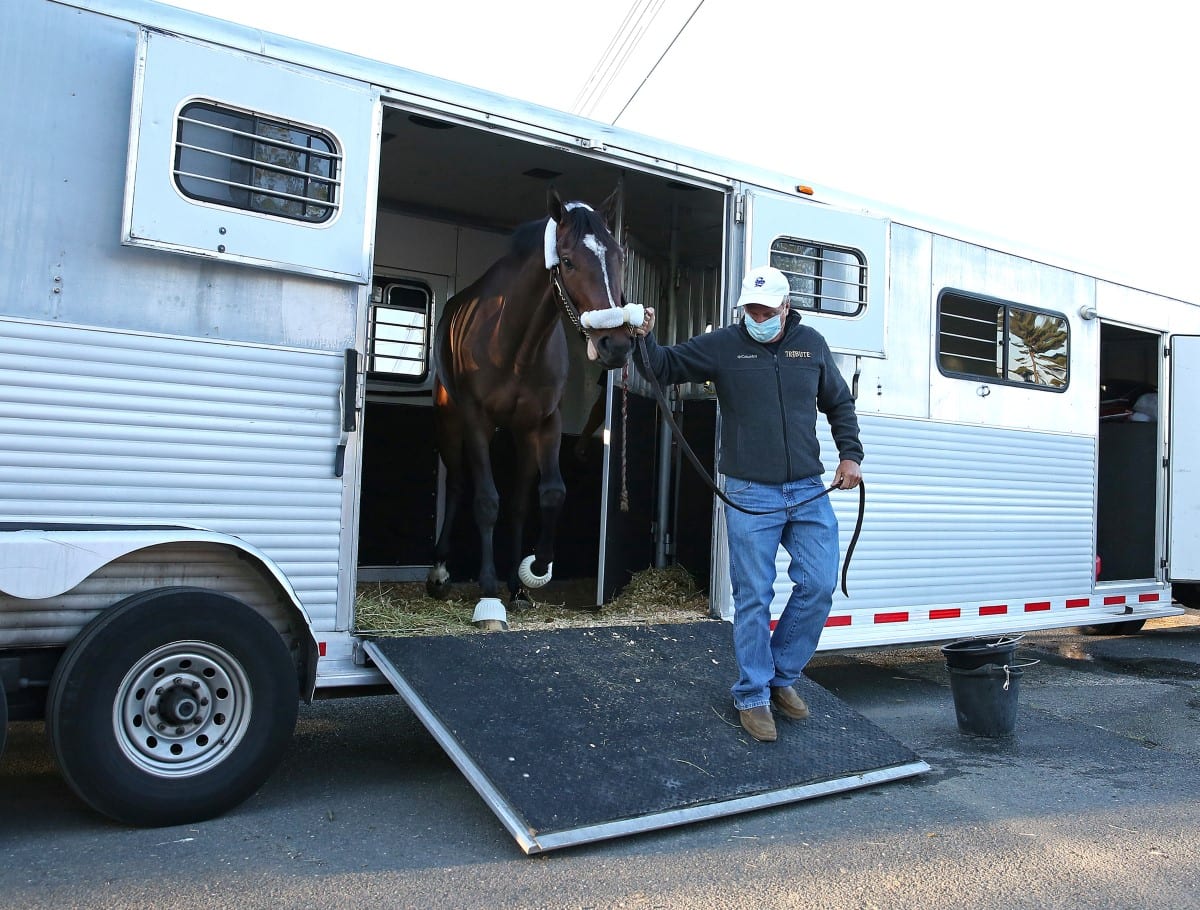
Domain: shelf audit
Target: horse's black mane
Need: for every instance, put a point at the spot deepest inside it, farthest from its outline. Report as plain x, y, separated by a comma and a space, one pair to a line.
530, 236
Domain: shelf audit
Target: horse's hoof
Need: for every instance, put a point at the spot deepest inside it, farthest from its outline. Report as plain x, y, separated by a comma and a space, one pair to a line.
490, 615
491, 625
528, 579
521, 601
437, 583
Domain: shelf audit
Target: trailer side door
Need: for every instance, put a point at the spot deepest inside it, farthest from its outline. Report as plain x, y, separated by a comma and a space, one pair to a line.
243, 158
1183, 542
835, 262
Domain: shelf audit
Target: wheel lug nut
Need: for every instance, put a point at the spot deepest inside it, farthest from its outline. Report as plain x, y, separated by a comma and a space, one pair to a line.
162, 727
179, 731
152, 710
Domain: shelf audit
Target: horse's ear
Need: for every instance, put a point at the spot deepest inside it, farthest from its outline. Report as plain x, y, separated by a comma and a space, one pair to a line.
609, 207
554, 205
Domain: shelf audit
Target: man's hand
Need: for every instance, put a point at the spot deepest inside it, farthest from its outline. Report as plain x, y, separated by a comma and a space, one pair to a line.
848, 475
647, 323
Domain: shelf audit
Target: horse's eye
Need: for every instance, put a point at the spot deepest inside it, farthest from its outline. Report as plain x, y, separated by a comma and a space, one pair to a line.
567, 263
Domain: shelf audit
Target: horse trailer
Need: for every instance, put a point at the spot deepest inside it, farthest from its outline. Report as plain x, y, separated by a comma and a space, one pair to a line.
225, 253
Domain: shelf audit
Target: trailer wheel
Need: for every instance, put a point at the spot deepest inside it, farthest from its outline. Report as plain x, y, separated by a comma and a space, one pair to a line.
172, 706
1187, 593
1128, 627
3, 717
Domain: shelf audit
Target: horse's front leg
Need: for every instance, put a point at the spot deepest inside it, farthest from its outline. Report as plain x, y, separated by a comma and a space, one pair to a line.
527, 470
489, 612
447, 428
537, 569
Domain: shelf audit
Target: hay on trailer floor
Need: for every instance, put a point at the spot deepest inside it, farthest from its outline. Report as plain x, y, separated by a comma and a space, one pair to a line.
652, 596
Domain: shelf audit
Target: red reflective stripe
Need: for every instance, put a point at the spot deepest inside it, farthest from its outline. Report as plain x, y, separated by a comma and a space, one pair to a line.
321, 648
774, 623
838, 621
945, 614
891, 617
1037, 607
993, 610
1147, 598
1080, 602
1113, 600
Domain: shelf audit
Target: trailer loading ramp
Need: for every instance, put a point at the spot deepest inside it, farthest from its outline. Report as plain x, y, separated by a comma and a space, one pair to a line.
581, 734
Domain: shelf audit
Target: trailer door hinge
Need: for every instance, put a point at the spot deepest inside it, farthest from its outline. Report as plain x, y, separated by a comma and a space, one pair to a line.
739, 209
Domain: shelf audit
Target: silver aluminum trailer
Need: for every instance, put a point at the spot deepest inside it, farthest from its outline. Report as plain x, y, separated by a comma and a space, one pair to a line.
224, 254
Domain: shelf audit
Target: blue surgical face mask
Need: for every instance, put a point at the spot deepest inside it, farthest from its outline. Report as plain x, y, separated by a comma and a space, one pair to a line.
766, 330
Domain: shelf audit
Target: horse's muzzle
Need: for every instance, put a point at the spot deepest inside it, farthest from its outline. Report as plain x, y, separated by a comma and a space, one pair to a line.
611, 347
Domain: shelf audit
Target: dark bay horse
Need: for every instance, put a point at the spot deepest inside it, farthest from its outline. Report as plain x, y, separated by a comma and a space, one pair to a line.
502, 359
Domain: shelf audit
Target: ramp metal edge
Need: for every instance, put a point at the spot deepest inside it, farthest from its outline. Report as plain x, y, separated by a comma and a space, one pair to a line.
532, 843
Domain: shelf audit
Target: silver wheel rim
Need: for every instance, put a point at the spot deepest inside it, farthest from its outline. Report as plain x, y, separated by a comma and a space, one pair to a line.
182, 709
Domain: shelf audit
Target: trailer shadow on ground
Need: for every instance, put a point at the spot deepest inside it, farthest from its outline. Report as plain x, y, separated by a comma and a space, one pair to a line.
1101, 738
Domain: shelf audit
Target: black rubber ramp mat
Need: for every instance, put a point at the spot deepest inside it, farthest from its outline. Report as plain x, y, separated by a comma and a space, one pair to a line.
576, 735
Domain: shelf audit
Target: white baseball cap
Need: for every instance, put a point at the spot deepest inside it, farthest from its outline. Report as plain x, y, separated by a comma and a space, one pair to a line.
765, 286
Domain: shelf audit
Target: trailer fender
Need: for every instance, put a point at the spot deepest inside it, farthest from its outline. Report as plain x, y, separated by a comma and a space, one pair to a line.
39, 563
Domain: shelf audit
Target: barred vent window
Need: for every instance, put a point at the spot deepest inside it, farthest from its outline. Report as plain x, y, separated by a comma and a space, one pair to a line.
828, 279
246, 161
398, 332
981, 338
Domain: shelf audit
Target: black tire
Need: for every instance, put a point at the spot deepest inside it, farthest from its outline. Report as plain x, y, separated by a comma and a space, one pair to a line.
3, 717
1187, 593
221, 719
1128, 627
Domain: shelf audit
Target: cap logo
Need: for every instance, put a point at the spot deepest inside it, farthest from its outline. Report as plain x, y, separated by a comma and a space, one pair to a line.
759, 281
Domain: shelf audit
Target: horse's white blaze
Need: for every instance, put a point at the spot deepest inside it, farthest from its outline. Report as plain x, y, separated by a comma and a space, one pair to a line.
600, 251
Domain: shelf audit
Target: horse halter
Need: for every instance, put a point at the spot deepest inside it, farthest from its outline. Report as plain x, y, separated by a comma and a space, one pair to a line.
631, 314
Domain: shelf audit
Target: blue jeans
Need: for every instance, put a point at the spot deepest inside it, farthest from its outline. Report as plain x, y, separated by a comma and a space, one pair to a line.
809, 534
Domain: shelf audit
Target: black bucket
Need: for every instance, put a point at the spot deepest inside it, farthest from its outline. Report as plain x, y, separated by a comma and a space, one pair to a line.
985, 680
971, 653
985, 699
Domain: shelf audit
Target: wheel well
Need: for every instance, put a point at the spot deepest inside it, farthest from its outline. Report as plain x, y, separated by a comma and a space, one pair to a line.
52, 623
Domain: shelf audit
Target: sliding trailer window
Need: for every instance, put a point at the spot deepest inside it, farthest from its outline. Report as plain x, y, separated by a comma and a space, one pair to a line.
247, 161
824, 278
984, 338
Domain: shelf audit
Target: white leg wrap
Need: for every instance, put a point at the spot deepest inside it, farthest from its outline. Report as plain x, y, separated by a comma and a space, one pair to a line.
490, 614
528, 579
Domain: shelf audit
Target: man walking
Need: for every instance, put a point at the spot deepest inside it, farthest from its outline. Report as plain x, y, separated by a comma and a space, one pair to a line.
772, 374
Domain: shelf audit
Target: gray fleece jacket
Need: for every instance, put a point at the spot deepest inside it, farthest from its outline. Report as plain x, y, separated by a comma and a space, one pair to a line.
769, 398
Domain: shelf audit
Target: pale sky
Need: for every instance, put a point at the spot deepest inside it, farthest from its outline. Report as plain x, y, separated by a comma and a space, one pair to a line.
1063, 126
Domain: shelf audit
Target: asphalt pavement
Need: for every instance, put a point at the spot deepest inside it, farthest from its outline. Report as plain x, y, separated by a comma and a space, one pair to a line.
1093, 801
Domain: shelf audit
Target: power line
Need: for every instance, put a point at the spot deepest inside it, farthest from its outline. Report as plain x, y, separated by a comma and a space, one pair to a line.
657, 62
633, 28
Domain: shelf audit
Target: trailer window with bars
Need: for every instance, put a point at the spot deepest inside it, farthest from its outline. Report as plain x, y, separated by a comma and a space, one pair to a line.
982, 338
258, 164
825, 278
398, 331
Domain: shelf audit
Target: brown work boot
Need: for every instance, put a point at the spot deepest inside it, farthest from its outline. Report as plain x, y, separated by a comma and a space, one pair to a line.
788, 703
759, 723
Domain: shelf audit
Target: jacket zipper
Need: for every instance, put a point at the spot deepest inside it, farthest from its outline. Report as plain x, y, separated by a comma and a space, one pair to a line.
787, 449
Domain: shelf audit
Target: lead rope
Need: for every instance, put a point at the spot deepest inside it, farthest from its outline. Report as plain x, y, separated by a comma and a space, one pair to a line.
624, 436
